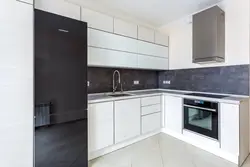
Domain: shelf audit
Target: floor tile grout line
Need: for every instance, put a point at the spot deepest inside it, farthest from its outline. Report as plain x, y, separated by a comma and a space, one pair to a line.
192, 156
160, 151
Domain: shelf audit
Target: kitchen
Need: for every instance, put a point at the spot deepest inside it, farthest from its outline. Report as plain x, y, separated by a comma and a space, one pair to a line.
146, 82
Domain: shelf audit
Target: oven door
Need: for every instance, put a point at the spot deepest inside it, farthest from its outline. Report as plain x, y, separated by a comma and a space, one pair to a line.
201, 120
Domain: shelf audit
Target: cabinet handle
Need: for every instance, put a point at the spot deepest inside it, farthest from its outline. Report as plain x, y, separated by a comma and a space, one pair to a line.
62, 30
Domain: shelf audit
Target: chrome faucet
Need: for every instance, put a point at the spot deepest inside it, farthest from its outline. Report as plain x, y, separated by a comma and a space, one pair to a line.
119, 81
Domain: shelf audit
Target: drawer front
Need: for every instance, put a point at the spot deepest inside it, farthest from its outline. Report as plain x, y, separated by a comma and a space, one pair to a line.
146, 101
151, 123
150, 109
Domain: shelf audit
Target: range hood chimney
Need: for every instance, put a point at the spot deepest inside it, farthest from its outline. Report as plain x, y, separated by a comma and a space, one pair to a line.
209, 36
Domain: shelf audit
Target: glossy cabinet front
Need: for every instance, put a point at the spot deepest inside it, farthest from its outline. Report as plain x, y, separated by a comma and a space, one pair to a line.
60, 91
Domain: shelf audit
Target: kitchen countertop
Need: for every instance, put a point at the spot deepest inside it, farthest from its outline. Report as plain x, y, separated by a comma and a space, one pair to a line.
103, 97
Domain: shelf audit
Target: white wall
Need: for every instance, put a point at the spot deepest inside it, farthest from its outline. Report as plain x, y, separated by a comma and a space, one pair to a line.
237, 37
16, 84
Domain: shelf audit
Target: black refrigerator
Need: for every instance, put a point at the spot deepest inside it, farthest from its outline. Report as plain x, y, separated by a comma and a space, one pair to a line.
60, 114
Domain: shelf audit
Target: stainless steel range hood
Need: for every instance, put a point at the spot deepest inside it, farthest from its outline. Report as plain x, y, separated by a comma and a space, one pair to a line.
209, 36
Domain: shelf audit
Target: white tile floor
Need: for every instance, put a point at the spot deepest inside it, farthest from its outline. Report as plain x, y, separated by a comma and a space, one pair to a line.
161, 151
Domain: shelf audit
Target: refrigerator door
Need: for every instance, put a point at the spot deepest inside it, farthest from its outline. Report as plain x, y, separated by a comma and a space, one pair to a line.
61, 86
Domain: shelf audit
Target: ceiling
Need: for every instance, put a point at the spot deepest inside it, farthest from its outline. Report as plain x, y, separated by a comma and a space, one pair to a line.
151, 12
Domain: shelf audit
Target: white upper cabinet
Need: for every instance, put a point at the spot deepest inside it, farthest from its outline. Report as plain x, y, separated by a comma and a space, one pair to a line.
104, 57
27, 1
152, 49
111, 41
173, 113
146, 34
150, 62
127, 119
97, 20
161, 39
59, 7
125, 28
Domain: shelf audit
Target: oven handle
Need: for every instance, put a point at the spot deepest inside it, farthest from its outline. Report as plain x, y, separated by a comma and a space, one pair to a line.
208, 109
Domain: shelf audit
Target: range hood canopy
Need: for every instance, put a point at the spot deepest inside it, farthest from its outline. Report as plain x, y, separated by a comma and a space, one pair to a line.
209, 36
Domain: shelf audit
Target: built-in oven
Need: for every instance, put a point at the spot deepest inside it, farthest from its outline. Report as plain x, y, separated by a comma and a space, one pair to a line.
201, 117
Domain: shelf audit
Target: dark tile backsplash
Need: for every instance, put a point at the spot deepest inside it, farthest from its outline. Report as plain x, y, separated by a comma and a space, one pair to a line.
101, 79
225, 79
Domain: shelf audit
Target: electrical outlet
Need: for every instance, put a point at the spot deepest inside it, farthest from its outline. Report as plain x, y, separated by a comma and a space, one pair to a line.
166, 82
88, 83
136, 82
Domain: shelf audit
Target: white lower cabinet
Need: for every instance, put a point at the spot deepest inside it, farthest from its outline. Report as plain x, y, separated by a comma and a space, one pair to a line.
234, 130
127, 119
151, 123
173, 113
100, 125
229, 124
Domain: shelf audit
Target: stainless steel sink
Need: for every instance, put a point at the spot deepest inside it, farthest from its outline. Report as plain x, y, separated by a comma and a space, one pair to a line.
119, 94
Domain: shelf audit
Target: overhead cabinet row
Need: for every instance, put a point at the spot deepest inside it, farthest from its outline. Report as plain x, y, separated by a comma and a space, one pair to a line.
110, 58
106, 40
101, 21
114, 42
111, 50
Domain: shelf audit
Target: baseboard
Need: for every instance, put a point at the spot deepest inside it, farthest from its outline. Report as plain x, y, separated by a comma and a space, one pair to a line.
216, 151
118, 146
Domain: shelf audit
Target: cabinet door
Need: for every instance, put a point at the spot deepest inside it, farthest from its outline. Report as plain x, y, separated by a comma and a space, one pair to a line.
97, 20
59, 7
151, 123
111, 58
127, 119
145, 34
152, 49
111, 41
100, 125
173, 113
125, 28
150, 62
161, 39
229, 125
16, 66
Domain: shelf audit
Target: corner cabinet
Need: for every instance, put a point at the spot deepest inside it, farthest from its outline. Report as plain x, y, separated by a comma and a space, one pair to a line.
127, 119
173, 113
100, 125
